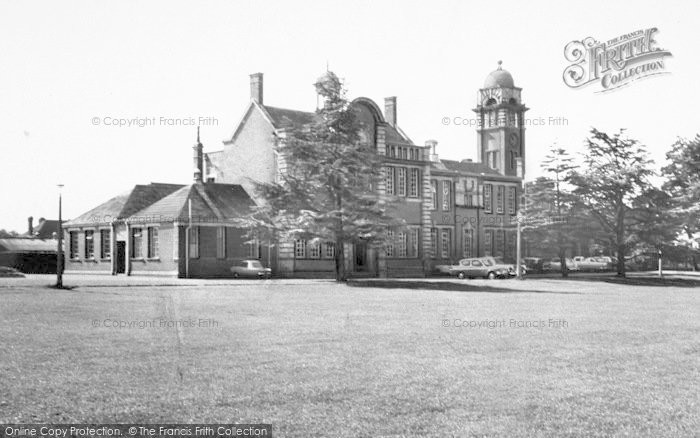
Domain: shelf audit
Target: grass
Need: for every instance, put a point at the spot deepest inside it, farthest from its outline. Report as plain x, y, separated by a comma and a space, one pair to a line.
328, 360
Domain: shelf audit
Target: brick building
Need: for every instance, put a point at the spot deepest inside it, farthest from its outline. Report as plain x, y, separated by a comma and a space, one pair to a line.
452, 209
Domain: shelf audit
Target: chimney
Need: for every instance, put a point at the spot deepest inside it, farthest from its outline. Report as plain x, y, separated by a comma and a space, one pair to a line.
431, 146
390, 110
198, 159
30, 225
256, 87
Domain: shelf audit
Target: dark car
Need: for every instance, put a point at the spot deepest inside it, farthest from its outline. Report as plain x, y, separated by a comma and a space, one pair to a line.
250, 268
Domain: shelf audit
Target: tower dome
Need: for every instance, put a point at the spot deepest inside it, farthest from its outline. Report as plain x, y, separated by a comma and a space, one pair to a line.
327, 78
499, 78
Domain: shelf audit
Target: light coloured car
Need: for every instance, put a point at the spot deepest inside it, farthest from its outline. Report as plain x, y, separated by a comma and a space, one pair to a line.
250, 268
555, 264
485, 267
591, 263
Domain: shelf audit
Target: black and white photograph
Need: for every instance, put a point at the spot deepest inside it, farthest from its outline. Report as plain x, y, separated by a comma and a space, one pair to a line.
349, 219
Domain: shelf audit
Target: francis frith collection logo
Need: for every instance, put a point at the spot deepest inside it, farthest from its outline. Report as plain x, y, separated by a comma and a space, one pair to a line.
614, 63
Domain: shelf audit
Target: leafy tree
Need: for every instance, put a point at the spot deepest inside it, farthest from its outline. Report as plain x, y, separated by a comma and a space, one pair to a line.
613, 179
550, 205
328, 192
4, 233
683, 185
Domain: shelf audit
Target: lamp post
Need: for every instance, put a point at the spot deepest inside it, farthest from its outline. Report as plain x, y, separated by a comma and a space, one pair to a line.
661, 272
59, 255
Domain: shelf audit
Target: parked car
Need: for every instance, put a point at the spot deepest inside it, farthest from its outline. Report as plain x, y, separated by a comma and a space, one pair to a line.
250, 268
485, 267
510, 267
555, 264
534, 265
591, 263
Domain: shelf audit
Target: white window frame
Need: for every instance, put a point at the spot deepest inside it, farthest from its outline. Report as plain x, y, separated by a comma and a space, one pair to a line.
446, 195
300, 249
414, 183
401, 181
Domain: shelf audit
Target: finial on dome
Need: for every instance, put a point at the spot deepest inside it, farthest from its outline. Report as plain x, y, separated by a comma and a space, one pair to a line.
198, 134
499, 64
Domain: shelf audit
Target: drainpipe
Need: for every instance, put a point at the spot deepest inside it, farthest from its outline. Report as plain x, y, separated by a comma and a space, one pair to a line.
127, 256
112, 243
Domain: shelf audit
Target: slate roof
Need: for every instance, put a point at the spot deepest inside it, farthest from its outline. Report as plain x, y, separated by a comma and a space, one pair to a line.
45, 229
469, 167
284, 118
125, 204
211, 202
28, 245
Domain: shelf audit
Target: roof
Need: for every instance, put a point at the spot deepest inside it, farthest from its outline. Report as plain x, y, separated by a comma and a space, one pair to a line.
126, 204
45, 229
283, 118
211, 202
469, 167
499, 78
27, 244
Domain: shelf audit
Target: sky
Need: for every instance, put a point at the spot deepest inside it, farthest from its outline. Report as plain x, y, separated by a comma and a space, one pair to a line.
69, 70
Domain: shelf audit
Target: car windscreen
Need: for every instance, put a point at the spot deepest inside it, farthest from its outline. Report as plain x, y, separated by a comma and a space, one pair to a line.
256, 265
487, 262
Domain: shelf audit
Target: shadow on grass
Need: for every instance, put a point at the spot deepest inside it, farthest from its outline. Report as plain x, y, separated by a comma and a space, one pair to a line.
653, 281
632, 280
443, 286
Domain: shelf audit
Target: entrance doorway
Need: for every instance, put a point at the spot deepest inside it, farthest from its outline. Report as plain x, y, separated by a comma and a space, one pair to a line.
121, 257
360, 256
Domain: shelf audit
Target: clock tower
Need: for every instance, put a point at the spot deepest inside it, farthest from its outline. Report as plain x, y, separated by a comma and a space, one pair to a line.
500, 130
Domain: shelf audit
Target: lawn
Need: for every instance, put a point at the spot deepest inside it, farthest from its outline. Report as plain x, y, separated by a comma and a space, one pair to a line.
327, 360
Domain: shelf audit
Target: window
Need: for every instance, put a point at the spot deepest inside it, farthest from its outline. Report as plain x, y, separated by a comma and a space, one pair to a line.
314, 250
433, 195
136, 243
511, 200
445, 243
253, 248
488, 189
300, 249
414, 183
467, 239
402, 181
392, 151
488, 243
329, 250
500, 198
403, 244
415, 236
152, 242
492, 159
389, 180
89, 244
194, 242
446, 198
221, 243
390, 243
500, 243
105, 244
73, 247
433, 242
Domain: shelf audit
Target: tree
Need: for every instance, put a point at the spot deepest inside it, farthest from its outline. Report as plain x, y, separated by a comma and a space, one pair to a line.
328, 190
683, 185
612, 180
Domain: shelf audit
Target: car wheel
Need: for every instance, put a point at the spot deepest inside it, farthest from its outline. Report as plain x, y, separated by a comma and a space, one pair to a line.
492, 275
461, 275
235, 275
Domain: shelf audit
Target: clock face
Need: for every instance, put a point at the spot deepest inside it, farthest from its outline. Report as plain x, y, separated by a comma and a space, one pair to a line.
513, 139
